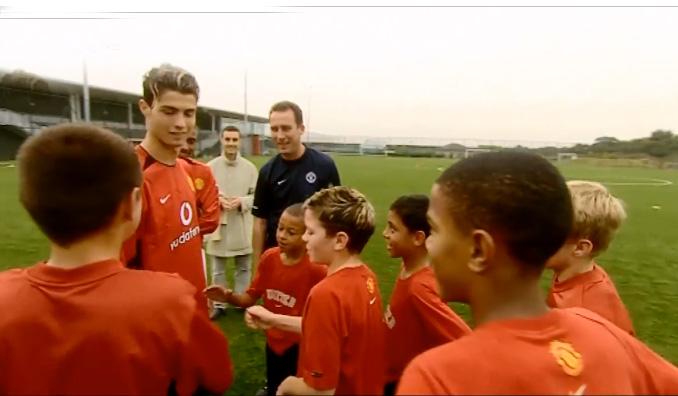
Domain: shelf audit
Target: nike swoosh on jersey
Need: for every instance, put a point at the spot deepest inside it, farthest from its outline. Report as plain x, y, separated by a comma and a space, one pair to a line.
281, 181
373, 300
164, 199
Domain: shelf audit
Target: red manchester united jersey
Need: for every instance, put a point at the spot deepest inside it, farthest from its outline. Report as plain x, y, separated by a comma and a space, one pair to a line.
168, 236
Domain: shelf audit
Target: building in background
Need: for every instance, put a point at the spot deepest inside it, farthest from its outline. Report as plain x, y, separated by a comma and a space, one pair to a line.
29, 103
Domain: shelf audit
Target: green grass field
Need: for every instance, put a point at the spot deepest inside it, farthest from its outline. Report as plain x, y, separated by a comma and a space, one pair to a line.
643, 259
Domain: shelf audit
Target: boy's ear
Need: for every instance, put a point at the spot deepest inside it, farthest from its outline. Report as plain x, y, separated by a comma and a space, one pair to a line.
130, 204
483, 250
419, 238
583, 248
144, 107
340, 241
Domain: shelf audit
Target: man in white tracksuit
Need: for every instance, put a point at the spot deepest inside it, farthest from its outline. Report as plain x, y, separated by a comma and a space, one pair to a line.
237, 179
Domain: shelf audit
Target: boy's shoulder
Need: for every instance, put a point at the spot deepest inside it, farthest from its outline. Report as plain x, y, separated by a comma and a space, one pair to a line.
598, 284
270, 256
423, 281
344, 283
138, 290
10, 280
460, 353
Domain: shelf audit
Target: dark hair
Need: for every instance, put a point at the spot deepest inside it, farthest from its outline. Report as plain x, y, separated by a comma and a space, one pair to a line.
73, 177
168, 78
520, 198
344, 209
287, 105
295, 210
230, 128
412, 212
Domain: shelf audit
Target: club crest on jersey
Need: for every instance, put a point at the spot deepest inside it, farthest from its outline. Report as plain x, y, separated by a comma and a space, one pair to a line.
569, 360
311, 177
186, 213
199, 184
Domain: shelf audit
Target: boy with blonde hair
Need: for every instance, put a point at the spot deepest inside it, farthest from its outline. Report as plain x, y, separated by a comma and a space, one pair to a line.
342, 343
578, 280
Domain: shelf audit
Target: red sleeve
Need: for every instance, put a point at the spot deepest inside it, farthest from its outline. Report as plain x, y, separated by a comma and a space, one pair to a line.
320, 356
208, 201
442, 324
660, 376
654, 375
205, 360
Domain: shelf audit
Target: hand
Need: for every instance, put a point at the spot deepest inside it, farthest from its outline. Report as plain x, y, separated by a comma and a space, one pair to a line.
261, 316
250, 322
225, 203
286, 385
254, 323
236, 203
218, 293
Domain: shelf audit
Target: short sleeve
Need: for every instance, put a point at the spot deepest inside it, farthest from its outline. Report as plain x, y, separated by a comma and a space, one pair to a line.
320, 355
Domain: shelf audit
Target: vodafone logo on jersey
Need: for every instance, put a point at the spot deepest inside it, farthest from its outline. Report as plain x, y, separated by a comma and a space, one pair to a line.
186, 213
185, 217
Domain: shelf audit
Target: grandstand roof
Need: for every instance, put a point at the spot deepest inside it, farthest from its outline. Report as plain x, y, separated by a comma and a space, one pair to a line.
50, 85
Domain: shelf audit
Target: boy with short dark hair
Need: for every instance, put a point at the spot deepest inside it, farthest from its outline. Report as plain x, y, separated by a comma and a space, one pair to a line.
81, 323
284, 278
416, 319
496, 218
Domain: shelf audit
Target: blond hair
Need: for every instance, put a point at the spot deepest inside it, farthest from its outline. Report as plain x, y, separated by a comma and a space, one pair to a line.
597, 213
344, 209
167, 77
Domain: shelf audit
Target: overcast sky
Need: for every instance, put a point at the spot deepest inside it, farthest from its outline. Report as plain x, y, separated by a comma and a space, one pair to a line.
523, 74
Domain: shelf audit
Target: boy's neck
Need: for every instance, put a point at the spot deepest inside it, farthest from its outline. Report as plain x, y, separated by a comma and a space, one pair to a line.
575, 268
91, 250
159, 151
503, 300
292, 257
344, 259
414, 262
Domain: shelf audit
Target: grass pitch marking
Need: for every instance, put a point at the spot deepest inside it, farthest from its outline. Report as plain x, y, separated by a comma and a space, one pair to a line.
642, 182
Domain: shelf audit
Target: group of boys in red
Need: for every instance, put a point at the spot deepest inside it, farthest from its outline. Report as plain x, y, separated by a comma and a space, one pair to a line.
120, 306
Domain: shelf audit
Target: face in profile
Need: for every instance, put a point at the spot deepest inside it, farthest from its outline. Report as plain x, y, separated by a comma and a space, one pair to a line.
398, 237
319, 245
449, 249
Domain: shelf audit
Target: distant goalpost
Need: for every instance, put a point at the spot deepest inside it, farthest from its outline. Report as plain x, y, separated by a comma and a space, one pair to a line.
567, 156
